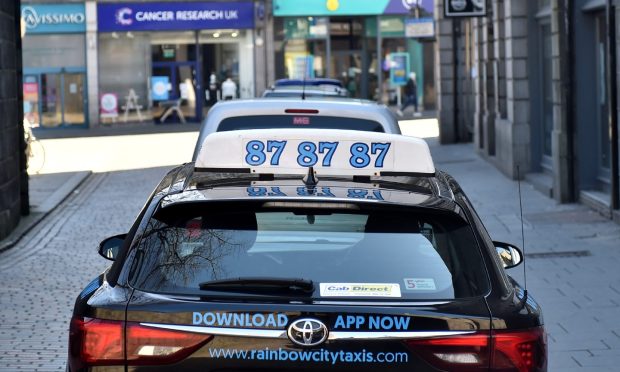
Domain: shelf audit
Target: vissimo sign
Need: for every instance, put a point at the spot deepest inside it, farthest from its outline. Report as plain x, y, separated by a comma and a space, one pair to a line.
59, 18
174, 16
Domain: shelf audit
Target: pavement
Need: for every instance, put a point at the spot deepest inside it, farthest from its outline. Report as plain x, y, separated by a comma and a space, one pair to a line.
572, 253
46, 191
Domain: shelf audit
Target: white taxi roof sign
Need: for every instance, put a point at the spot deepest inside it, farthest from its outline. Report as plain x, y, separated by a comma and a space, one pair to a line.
329, 152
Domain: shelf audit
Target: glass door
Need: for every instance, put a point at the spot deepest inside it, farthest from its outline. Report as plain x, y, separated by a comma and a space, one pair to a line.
54, 99
179, 100
51, 102
31, 100
73, 98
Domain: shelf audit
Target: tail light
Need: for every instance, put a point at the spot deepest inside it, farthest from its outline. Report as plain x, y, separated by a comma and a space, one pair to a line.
524, 350
96, 342
519, 351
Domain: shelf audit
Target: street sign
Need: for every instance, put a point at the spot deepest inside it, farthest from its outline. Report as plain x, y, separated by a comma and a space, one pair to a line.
419, 27
465, 8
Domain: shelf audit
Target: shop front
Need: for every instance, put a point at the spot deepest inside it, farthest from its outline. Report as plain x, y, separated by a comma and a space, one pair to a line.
339, 39
167, 62
54, 65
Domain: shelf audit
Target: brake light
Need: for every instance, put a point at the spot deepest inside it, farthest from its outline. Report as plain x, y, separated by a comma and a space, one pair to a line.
460, 353
96, 342
522, 351
301, 111
146, 345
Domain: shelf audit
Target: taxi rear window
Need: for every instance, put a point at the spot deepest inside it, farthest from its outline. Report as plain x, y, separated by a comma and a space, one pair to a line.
298, 121
347, 254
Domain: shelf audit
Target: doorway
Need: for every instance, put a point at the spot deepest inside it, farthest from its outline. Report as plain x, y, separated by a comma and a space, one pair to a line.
55, 98
174, 68
181, 96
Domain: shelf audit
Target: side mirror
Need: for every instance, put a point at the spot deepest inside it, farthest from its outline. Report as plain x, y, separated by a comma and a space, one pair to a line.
110, 247
509, 254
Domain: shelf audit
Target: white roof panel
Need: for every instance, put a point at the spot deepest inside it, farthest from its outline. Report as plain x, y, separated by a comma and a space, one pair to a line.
329, 152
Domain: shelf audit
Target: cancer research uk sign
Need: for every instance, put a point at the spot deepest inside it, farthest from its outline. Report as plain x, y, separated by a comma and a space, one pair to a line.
174, 16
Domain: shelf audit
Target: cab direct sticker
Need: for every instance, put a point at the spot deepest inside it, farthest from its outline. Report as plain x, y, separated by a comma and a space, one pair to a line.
360, 290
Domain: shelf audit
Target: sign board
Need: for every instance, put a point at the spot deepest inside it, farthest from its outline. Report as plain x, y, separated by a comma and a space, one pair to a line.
31, 91
329, 152
160, 87
465, 8
419, 27
399, 68
174, 16
109, 105
293, 8
53, 18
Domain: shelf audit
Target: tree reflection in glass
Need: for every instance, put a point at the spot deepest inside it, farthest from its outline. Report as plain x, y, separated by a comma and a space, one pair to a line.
187, 252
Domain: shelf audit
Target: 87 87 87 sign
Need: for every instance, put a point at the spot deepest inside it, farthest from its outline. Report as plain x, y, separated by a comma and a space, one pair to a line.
309, 153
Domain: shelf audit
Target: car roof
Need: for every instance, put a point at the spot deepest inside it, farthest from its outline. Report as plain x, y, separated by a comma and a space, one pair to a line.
296, 91
185, 184
315, 89
327, 106
311, 81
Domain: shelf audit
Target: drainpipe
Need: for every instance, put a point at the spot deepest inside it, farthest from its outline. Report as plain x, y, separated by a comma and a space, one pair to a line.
569, 84
456, 30
613, 102
379, 62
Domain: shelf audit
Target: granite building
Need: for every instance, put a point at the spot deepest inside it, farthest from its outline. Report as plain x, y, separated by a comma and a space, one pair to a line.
533, 85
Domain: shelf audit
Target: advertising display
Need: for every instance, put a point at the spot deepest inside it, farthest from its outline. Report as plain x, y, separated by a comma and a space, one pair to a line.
109, 105
399, 68
53, 18
174, 16
288, 8
160, 87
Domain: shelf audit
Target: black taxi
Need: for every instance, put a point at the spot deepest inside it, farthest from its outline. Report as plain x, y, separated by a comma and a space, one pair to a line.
307, 250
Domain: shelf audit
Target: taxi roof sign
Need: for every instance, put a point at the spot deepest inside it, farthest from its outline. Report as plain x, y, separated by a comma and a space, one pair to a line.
329, 152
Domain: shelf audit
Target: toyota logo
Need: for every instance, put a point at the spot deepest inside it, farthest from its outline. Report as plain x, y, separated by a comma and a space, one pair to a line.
307, 332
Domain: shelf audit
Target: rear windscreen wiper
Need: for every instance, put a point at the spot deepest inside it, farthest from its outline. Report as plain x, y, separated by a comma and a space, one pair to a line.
259, 284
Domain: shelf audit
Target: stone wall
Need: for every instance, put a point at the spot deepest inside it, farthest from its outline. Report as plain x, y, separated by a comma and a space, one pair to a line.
13, 180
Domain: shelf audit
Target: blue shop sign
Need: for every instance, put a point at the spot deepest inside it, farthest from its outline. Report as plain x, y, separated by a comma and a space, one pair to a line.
53, 18
174, 16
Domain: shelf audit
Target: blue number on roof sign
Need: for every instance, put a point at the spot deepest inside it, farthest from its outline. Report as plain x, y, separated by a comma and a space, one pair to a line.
279, 146
307, 154
383, 149
256, 152
331, 149
361, 159
256, 155
359, 155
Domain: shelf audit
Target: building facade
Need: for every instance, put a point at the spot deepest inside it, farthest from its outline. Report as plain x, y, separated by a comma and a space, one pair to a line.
90, 63
13, 176
534, 88
54, 57
353, 41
